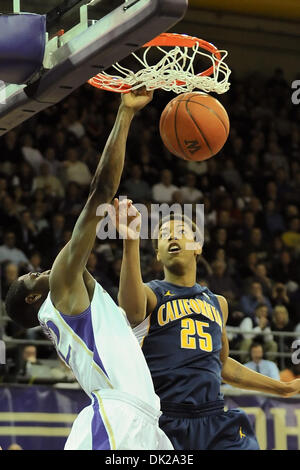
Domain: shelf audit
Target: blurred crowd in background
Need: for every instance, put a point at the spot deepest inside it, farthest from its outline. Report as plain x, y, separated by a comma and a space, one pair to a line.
250, 192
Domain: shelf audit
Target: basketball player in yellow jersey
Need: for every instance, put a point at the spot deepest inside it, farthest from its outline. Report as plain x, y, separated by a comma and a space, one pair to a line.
181, 327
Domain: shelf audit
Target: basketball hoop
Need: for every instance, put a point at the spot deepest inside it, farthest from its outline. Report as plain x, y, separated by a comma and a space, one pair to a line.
174, 71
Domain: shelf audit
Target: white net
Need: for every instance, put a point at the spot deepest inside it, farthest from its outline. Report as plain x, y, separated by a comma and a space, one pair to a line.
173, 72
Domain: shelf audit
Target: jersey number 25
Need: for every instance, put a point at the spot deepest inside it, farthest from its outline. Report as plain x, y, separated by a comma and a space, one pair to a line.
193, 336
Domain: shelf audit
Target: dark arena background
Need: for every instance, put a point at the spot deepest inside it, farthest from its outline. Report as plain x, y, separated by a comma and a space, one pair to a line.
251, 196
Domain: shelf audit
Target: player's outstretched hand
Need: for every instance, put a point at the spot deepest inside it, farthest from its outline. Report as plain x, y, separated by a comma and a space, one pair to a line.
126, 218
137, 99
293, 388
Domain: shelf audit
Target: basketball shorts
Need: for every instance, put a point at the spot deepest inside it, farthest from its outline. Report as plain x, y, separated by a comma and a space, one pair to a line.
117, 421
207, 427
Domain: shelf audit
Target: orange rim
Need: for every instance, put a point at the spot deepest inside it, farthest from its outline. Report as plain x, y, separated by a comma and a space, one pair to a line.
183, 40
164, 39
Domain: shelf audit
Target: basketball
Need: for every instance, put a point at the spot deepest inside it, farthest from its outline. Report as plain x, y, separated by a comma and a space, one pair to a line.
194, 126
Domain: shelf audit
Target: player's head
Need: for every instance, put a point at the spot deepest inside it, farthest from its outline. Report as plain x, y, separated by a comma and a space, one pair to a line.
176, 243
25, 297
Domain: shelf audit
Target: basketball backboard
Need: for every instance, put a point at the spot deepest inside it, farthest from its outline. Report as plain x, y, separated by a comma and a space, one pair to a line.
88, 47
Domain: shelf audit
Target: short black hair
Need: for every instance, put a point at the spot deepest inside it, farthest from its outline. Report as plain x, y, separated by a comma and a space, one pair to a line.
17, 309
168, 218
257, 343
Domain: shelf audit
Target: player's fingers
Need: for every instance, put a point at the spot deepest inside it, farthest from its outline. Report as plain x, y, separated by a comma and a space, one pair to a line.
139, 91
150, 93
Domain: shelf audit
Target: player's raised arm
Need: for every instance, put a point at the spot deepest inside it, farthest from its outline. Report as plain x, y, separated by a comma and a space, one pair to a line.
236, 374
71, 261
134, 296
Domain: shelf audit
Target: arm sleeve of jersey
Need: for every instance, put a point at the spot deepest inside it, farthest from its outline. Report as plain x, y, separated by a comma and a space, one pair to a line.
155, 287
216, 301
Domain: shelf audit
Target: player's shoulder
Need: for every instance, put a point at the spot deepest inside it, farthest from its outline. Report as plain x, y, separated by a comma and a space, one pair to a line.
221, 301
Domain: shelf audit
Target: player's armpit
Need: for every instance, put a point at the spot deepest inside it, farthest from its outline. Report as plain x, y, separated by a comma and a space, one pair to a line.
151, 300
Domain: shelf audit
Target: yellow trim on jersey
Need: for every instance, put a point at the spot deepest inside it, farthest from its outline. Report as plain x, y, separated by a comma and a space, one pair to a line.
38, 417
34, 431
106, 422
81, 343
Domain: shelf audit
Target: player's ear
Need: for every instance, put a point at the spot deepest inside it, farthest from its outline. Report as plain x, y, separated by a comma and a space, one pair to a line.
32, 298
157, 255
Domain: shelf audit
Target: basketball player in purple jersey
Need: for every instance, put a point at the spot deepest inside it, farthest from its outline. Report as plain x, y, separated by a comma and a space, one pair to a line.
181, 328
90, 332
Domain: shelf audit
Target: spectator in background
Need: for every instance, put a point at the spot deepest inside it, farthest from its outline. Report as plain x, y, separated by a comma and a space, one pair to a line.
100, 275
219, 241
189, 191
248, 269
210, 214
135, 187
275, 249
149, 172
72, 204
274, 222
24, 178
231, 176
244, 197
291, 238
257, 326
74, 125
52, 162
279, 295
257, 244
8, 212
261, 365
221, 283
274, 155
261, 276
252, 300
75, 170
282, 181
89, 153
11, 154
48, 182
9, 252
32, 155
281, 323
35, 261
51, 238
60, 144
27, 231
19, 200
286, 268
163, 191
271, 192
10, 274
247, 224
29, 357
38, 216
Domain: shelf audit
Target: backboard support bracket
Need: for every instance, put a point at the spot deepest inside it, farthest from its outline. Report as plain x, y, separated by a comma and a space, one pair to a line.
92, 50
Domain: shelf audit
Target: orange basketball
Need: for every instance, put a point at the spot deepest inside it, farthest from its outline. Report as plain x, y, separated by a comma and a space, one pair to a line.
194, 126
